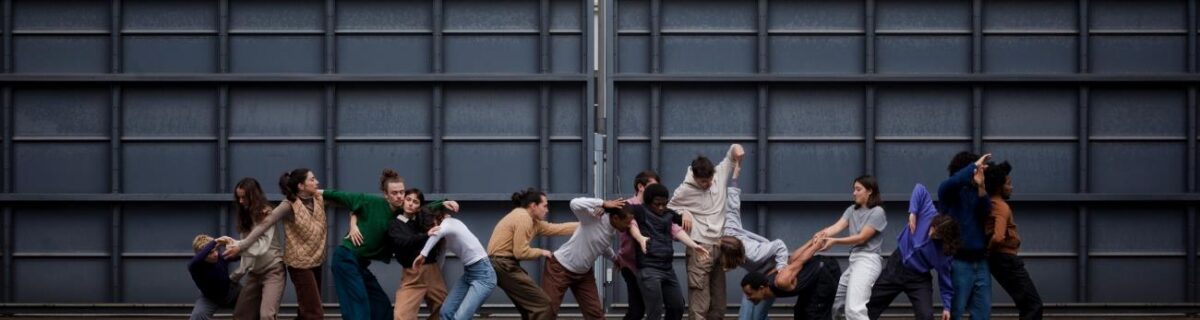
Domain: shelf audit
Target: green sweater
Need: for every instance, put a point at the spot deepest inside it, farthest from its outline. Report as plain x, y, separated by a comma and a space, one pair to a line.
374, 213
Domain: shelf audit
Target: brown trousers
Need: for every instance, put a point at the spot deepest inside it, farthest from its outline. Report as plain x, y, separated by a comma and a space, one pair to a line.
420, 284
555, 281
706, 284
308, 292
261, 295
529, 299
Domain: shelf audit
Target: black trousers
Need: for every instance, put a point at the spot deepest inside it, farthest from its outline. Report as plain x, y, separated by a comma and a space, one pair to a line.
896, 278
661, 290
637, 307
815, 300
1009, 271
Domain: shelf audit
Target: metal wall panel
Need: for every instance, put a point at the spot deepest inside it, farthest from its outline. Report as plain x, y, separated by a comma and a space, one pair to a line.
452, 93
820, 92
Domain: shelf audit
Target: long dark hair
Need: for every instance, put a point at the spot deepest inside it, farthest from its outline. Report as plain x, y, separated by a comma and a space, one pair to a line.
256, 204
289, 180
947, 232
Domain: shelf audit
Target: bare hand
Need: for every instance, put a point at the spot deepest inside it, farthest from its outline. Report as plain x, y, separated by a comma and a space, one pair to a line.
825, 245
232, 250
642, 242
614, 204
452, 205
983, 160
702, 251
912, 223
547, 253
738, 153
687, 221
355, 236
774, 271
225, 240
945, 314
820, 234
433, 231
418, 262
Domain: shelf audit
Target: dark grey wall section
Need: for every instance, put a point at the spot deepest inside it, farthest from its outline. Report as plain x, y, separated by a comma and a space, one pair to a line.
343, 102
127, 121
912, 89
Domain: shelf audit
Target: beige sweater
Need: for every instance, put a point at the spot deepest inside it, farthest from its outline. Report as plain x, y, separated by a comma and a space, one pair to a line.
706, 206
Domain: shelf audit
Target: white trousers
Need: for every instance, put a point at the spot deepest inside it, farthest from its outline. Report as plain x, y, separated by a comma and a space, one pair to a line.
854, 288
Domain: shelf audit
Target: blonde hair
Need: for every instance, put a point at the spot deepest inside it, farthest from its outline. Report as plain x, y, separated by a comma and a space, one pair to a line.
200, 241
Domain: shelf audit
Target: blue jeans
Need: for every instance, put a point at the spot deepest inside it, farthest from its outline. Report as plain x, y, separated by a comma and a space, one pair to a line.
972, 289
359, 293
751, 311
473, 288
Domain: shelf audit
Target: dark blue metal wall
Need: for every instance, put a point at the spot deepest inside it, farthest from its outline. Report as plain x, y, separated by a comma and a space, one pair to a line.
125, 122
1094, 102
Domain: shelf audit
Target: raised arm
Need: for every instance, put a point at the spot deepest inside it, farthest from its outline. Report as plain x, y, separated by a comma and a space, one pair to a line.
786, 279
284, 209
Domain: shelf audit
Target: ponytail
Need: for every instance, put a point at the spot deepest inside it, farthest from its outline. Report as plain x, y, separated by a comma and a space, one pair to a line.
524, 198
289, 180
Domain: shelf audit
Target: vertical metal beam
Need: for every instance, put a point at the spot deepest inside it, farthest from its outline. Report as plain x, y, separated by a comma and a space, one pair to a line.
1084, 254
330, 132
223, 37
438, 114
115, 37
7, 245
763, 63
331, 180
977, 37
438, 159
8, 36
1192, 272
544, 36
977, 67
977, 119
763, 100
544, 96
438, 42
1192, 30
869, 20
655, 36
869, 96
115, 152
1083, 37
330, 40
544, 137
223, 114
1082, 267
763, 151
869, 130
656, 127
6, 293
590, 109
607, 97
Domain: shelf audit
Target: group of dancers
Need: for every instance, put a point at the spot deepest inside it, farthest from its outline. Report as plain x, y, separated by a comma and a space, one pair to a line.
967, 239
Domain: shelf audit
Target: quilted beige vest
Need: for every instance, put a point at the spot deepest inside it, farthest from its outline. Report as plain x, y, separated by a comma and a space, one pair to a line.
305, 233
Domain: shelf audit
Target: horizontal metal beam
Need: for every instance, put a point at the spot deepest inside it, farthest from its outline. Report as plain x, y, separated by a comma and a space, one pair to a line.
33, 198
506, 310
750, 197
1122, 79
284, 78
1027, 197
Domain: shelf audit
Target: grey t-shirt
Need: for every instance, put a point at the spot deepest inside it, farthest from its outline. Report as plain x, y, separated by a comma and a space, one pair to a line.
860, 218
